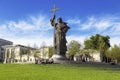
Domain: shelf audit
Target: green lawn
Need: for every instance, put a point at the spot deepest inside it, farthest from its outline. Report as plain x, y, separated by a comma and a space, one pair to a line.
57, 72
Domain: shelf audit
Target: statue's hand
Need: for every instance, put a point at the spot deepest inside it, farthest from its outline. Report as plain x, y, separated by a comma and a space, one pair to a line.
54, 17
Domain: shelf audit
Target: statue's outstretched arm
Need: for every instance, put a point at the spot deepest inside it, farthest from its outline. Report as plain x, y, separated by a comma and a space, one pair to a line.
53, 20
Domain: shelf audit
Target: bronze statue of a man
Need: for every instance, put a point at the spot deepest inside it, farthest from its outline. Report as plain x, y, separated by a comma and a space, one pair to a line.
59, 36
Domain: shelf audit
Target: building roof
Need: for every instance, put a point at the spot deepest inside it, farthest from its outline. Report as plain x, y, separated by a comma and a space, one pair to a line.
8, 46
6, 41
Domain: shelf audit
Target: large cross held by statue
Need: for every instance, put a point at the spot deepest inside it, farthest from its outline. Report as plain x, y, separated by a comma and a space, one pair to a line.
54, 9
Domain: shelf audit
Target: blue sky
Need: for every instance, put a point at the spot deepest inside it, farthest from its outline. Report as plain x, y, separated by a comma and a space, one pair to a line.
27, 21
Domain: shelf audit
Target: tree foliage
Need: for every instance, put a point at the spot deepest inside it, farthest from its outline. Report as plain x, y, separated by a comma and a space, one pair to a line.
36, 53
51, 51
98, 42
28, 54
114, 53
20, 54
73, 47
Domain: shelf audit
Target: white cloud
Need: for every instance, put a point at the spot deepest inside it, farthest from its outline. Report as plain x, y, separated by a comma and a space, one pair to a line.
99, 23
36, 29
104, 25
32, 23
115, 40
77, 38
31, 30
88, 23
31, 41
75, 21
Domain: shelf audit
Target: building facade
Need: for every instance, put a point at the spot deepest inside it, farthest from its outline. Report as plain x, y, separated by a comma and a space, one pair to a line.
91, 55
18, 54
3, 43
24, 54
95, 56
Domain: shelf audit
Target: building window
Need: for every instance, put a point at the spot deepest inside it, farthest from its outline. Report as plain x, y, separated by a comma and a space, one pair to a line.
1, 54
2, 49
24, 60
31, 59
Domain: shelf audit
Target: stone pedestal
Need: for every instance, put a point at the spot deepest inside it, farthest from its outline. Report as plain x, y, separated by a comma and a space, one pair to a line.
59, 58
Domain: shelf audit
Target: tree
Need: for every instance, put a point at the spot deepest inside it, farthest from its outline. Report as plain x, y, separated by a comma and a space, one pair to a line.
34, 46
28, 54
7, 56
20, 54
12, 55
43, 44
88, 44
43, 49
73, 47
98, 42
36, 53
51, 51
114, 53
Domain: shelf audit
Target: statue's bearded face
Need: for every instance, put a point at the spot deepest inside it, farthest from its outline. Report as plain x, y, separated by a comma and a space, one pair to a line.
59, 20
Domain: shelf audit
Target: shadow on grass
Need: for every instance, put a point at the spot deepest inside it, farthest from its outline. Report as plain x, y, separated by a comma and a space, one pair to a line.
94, 65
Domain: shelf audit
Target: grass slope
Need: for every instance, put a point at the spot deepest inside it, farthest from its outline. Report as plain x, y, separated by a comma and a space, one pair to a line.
57, 72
